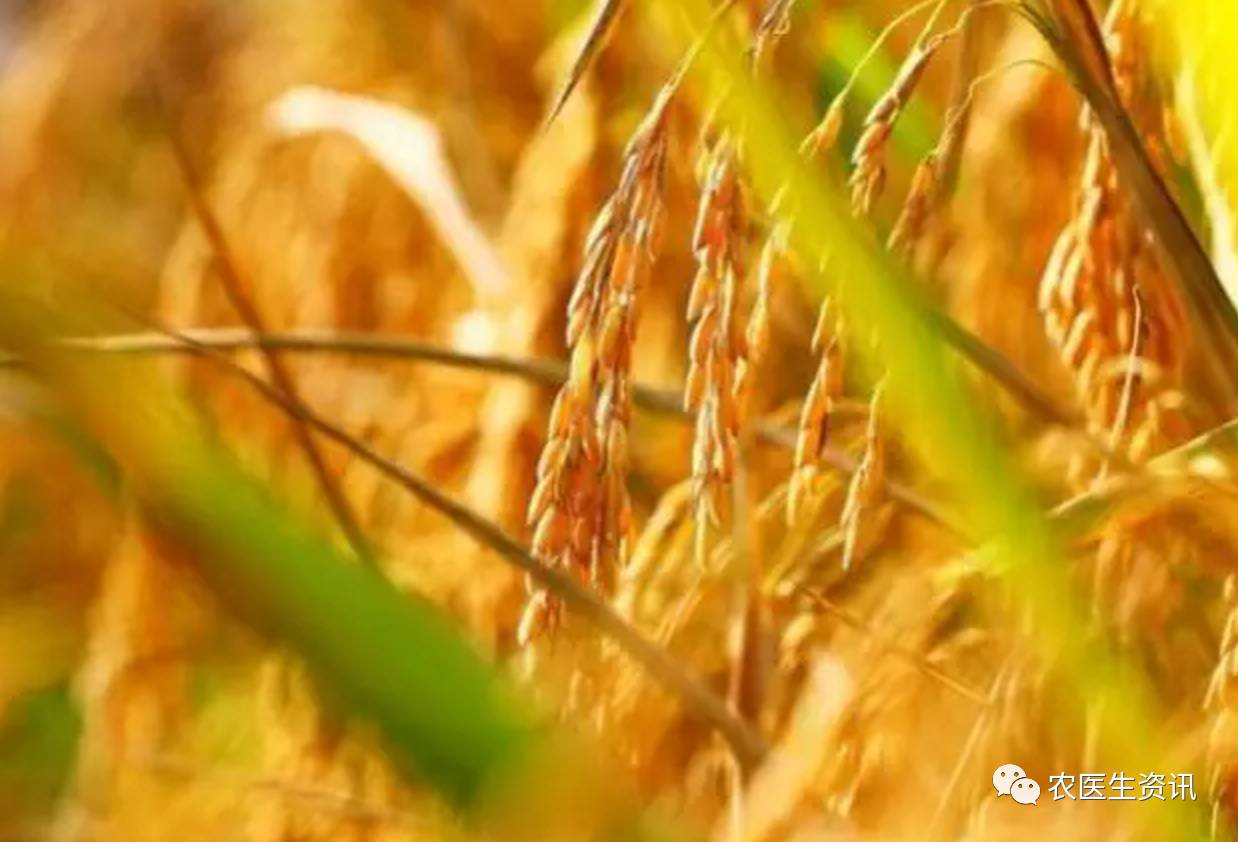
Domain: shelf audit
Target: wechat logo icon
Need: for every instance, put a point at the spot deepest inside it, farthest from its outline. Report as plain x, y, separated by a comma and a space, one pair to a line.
1011, 780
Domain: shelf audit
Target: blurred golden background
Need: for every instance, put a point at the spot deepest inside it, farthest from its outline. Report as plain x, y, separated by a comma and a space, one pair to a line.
509, 300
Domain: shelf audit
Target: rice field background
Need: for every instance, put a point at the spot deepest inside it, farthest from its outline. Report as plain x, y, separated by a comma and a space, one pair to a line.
743, 420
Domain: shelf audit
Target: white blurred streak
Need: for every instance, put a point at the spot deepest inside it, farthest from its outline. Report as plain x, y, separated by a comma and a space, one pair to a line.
410, 149
475, 332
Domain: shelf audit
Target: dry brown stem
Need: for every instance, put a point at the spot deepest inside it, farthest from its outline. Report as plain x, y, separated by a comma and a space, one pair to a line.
232, 280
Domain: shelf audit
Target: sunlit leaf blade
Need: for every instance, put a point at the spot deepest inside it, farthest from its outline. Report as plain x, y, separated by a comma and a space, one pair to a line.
388, 657
604, 20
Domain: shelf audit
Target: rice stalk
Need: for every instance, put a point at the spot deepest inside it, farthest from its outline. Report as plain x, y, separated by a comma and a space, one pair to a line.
233, 283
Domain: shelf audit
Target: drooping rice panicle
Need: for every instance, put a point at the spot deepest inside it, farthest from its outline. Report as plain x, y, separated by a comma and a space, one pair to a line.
580, 509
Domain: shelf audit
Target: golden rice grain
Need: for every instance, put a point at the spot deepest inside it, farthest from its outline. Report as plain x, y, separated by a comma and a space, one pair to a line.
868, 177
718, 349
866, 483
580, 508
1113, 315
